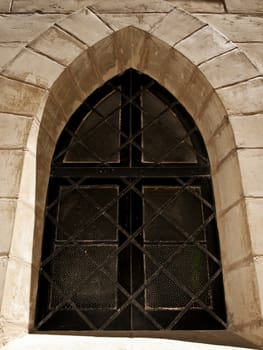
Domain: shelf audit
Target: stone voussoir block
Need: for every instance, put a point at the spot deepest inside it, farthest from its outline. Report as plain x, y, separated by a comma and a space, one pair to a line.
7, 215
41, 71
254, 209
204, 44
227, 69
240, 6
86, 26
170, 33
136, 6
58, 45
196, 6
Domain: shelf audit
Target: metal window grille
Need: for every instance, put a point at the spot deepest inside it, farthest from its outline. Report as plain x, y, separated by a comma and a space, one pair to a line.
130, 238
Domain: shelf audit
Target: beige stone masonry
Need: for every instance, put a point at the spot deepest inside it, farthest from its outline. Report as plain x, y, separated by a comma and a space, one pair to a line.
226, 69
243, 98
254, 53
137, 6
203, 45
4, 5
3, 266
185, 25
24, 27
34, 68
200, 5
144, 21
248, 130
60, 6
237, 28
241, 6
58, 45
86, 26
7, 215
9, 51
19, 98
259, 273
254, 207
20, 128
251, 167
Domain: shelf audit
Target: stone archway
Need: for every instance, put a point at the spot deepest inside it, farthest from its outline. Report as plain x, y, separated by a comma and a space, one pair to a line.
190, 61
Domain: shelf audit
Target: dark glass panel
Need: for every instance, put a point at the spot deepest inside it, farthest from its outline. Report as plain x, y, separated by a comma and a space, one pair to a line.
180, 218
71, 269
103, 144
189, 267
165, 139
80, 213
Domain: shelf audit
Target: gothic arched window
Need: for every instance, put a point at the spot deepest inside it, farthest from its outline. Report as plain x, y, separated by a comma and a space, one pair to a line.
130, 238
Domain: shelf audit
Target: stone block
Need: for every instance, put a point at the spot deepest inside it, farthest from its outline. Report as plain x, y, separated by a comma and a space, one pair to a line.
10, 172
59, 6
20, 98
259, 273
234, 236
254, 53
176, 26
229, 68
13, 130
200, 5
204, 44
221, 144
8, 52
86, 26
248, 130
251, 166
243, 98
126, 6
242, 295
254, 208
238, 28
3, 267
58, 45
41, 71
241, 6
144, 21
5, 5
227, 184
7, 215
25, 27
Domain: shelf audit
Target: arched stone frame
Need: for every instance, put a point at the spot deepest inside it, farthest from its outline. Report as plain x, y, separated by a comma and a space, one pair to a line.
191, 62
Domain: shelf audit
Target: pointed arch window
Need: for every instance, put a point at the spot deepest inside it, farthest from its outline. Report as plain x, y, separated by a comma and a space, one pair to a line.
130, 238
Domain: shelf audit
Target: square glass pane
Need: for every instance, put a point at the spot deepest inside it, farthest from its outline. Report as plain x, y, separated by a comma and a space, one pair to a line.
180, 218
165, 139
190, 267
97, 138
79, 208
70, 274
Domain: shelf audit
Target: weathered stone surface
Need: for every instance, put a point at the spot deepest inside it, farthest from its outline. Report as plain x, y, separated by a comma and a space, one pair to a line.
200, 5
126, 6
243, 98
58, 6
176, 26
19, 127
251, 165
19, 98
259, 275
58, 45
248, 130
5, 5
7, 215
145, 21
41, 71
10, 172
227, 183
3, 266
237, 28
242, 302
86, 26
254, 208
241, 6
203, 45
234, 233
254, 53
24, 27
229, 68
8, 52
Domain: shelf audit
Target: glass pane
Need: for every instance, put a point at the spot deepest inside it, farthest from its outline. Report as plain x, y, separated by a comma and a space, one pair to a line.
71, 270
97, 138
183, 213
165, 139
189, 267
80, 213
